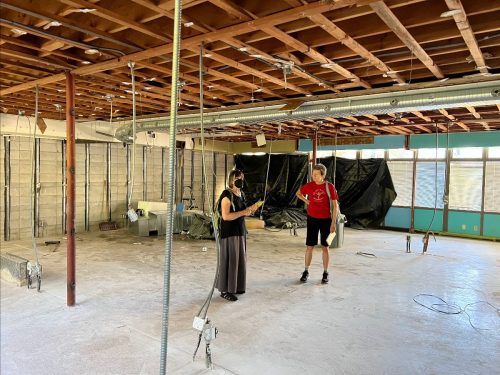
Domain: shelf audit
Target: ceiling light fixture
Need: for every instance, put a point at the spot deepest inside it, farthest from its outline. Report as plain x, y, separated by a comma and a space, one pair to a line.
450, 13
85, 62
188, 24
243, 49
18, 32
258, 89
208, 55
85, 10
328, 65
52, 23
91, 51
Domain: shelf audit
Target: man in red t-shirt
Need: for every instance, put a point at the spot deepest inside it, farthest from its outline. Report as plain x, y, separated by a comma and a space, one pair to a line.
321, 216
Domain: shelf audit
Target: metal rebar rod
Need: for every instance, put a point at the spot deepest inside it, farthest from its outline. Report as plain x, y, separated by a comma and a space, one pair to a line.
171, 179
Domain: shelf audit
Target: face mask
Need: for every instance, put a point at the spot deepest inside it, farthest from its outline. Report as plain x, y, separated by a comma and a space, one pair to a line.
238, 183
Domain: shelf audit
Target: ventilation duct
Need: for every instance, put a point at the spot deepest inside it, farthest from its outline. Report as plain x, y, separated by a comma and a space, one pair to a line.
476, 94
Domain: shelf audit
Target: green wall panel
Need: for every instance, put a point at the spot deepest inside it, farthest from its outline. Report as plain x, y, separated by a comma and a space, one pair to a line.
423, 219
491, 225
398, 217
476, 139
464, 222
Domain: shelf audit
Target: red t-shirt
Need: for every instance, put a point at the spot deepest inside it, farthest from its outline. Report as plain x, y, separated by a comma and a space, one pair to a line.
319, 207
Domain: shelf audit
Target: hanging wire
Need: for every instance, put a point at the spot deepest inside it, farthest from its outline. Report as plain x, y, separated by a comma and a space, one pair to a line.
33, 183
267, 177
204, 308
131, 182
335, 156
428, 231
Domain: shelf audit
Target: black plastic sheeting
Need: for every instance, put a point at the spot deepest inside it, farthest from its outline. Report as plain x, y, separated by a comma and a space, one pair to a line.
365, 187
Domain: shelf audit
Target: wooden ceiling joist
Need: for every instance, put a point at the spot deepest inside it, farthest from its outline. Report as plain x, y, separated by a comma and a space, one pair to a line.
386, 14
463, 25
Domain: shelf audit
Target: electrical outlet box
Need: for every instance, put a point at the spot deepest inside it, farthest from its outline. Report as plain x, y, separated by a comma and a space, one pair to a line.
198, 323
464, 227
209, 332
476, 228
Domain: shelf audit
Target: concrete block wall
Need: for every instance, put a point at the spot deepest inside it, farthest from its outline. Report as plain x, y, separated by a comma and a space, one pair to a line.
20, 187
51, 187
52, 184
136, 176
2, 185
98, 200
80, 187
118, 182
154, 182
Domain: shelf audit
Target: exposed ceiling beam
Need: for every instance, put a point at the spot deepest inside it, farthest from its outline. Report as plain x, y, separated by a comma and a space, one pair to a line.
67, 22
465, 29
312, 53
445, 113
245, 27
390, 19
113, 17
245, 68
352, 44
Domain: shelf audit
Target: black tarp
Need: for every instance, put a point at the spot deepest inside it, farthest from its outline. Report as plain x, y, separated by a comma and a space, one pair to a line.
365, 187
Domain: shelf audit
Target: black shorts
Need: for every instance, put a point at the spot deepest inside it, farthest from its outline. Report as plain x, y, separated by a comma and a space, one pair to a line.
317, 225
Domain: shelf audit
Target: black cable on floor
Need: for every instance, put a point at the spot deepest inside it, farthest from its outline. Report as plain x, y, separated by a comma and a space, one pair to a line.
452, 309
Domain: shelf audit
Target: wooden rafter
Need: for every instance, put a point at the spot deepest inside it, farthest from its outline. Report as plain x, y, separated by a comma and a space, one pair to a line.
315, 55
453, 118
463, 25
349, 42
113, 17
386, 14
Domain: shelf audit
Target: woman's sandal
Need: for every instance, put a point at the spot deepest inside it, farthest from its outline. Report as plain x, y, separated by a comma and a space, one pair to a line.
229, 296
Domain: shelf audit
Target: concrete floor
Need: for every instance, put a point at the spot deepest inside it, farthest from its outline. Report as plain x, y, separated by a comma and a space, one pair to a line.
364, 322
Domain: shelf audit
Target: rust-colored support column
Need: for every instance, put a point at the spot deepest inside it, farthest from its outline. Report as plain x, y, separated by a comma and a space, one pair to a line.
70, 187
315, 147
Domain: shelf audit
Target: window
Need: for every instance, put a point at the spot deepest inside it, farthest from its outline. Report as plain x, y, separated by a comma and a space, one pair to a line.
372, 154
346, 154
492, 187
323, 154
466, 185
429, 183
400, 154
402, 178
467, 153
494, 153
430, 153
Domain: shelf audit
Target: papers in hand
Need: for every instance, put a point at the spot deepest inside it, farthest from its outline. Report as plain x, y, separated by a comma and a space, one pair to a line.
330, 238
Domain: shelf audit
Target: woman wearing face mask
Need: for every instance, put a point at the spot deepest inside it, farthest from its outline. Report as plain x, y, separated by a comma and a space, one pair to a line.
232, 231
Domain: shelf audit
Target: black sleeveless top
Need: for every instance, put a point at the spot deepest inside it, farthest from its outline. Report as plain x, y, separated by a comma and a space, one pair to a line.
233, 227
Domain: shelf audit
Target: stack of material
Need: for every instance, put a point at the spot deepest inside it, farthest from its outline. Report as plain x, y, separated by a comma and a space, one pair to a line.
254, 223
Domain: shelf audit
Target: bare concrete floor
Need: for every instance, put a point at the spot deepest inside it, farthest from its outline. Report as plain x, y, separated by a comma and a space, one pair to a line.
364, 322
